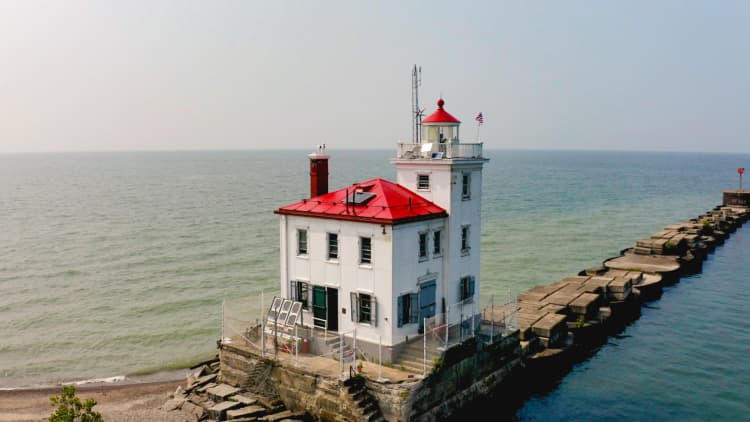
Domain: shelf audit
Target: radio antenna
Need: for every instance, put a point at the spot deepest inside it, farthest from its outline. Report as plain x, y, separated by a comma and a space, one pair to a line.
416, 82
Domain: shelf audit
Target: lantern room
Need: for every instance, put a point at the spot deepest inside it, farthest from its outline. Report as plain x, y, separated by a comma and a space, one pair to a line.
440, 127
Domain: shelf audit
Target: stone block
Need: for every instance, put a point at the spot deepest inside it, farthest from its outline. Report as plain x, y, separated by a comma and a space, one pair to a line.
246, 412
245, 399
221, 392
619, 285
219, 410
585, 304
550, 326
553, 309
174, 404
579, 279
561, 298
276, 417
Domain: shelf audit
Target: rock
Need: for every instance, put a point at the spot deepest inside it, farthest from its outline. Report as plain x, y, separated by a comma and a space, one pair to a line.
193, 409
246, 412
219, 410
205, 387
244, 399
221, 392
277, 417
174, 404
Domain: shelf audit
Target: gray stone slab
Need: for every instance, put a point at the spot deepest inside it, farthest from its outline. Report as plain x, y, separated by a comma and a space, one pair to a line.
277, 417
619, 285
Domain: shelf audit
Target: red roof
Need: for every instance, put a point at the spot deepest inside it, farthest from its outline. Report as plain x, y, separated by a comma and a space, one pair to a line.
379, 201
440, 115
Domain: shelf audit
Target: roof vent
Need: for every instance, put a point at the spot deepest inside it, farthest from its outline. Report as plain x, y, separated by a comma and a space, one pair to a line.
359, 197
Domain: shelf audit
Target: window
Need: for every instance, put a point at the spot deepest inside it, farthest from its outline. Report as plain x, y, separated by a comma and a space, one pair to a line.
423, 181
466, 288
408, 309
436, 246
333, 246
422, 246
298, 291
365, 250
301, 242
466, 186
364, 308
465, 240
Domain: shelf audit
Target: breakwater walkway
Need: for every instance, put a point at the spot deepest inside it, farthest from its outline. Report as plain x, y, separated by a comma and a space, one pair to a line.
565, 320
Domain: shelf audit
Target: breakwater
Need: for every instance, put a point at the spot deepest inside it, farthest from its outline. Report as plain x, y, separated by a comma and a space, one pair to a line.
561, 323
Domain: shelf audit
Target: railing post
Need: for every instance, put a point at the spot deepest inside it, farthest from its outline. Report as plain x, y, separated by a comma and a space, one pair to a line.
424, 357
223, 303
380, 358
492, 318
341, 355
296, 346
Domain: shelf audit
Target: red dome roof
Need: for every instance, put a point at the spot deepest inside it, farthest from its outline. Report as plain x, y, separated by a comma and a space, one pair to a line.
440, 115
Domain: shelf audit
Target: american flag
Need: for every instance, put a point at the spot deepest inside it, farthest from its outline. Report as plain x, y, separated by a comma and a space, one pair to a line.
479, 118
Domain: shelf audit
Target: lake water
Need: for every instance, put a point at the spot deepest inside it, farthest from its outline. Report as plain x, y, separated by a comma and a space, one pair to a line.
114, 263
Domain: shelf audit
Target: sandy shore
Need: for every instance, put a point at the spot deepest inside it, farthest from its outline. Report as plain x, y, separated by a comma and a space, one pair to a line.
126, 402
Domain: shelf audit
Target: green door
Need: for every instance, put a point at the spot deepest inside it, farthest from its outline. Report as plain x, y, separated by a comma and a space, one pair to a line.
320, 311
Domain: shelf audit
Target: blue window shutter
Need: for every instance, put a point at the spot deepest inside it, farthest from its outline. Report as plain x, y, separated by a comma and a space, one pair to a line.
471, 286
400, 311
413, 308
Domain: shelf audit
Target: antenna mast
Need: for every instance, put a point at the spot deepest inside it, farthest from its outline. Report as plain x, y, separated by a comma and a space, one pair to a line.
416, 82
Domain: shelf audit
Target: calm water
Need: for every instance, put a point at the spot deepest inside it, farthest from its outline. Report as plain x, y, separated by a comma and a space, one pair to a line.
112, 263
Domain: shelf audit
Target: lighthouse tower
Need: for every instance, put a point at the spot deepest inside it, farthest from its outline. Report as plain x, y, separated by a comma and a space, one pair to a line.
448, 172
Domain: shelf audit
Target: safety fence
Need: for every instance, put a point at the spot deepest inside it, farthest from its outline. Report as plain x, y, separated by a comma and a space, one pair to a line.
317, 349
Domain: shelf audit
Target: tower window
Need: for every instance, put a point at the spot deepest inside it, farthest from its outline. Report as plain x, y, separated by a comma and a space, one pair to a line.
436, 246
466, 186
333, 246
301, 242
365, 250
423, 181
465, 240
422, 246
466, 288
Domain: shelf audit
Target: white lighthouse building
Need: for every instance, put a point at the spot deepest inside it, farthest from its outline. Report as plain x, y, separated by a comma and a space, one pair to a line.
381, 257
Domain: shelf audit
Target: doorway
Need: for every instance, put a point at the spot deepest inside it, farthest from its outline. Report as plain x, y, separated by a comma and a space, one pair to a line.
325, 307
426, 302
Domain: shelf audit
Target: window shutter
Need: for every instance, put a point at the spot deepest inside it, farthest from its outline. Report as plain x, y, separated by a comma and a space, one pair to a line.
355, 304
471, 286
461, 290
400, 311
413, 308
293, 290
305, 295
373, 311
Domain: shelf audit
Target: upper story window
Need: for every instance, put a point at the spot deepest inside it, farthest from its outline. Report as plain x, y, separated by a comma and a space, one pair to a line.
333, 246
423, 181
466, 288
301, 242
436, 245
466, 186
365, 250
465, 240
422, 246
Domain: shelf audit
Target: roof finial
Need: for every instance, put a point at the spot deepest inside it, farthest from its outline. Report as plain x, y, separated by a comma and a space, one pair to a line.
441, 102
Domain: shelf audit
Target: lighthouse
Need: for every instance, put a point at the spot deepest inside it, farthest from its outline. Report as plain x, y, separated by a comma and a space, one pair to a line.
380, 258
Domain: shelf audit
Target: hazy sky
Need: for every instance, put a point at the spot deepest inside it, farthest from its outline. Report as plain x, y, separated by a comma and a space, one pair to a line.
627, 75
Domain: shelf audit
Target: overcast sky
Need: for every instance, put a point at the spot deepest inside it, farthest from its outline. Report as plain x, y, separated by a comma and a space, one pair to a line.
143, 75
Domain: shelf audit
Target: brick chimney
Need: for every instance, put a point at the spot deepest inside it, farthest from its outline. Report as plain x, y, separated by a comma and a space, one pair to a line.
318, 172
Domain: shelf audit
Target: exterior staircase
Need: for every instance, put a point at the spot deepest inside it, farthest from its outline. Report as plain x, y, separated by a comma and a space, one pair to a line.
411, 356
367, 405
334, 345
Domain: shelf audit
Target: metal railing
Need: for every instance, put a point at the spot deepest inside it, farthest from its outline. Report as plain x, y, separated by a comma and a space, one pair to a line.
438, 151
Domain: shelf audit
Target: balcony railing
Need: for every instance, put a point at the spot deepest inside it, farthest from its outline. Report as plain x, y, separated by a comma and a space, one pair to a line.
436, 151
